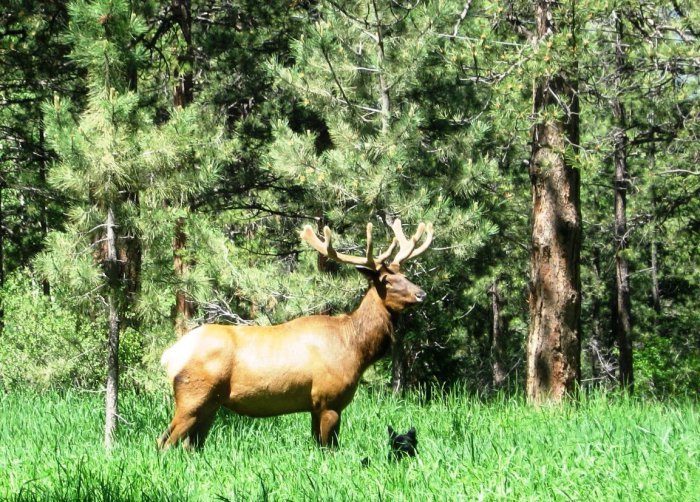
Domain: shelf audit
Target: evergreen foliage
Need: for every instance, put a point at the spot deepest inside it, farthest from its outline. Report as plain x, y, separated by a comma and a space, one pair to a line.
338, 113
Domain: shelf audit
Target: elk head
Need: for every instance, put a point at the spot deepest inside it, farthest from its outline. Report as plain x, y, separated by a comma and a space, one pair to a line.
392, 286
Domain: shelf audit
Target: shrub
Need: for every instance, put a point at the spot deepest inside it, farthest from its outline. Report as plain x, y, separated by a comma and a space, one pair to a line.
45, 343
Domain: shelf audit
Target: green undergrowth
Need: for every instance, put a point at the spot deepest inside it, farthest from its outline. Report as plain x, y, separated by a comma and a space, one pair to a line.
603, 448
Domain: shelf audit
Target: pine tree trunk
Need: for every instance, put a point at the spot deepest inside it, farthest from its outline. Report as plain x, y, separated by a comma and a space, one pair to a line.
182, 96
498, 350
112, 387
43, 210
398, 365
184, 309
184, 86
2, 254
112, 392
383, 87
655, 292
553, 348
130, 256
2, 236
595, 338
623, 309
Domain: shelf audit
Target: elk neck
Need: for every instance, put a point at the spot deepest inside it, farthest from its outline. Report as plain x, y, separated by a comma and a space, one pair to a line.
374, 328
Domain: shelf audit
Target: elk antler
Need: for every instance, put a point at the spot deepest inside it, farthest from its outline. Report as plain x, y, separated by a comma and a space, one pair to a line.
407, 247
325, 247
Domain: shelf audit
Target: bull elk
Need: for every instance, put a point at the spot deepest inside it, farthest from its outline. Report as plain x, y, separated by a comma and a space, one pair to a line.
310, 364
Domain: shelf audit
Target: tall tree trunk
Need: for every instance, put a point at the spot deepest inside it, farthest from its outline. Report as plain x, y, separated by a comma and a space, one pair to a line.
130, 257
623, 309
655, 292
554, 348
383, 86
131, 253
2, 254
113, 276
398, 364
594, 340
182, 96
498, 349
184, 84
43, 210
184, 308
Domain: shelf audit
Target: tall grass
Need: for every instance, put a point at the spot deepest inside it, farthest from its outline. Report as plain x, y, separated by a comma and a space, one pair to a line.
603, 448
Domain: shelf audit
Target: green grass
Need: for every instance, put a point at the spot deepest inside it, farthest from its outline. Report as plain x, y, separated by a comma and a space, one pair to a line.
604, 448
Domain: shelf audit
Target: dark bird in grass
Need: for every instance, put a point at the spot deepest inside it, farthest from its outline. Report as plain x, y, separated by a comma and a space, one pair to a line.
402, 445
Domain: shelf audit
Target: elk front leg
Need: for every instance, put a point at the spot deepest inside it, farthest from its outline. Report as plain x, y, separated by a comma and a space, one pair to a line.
325, 427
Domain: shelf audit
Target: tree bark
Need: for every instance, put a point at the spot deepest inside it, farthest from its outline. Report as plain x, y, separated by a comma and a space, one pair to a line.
184, 308
2, 237
655, 292
130, 257
2, 254
554, 348
623, 309
43, 210
594, 340
383, 86
131, 253
112, 387
182, 96
398, 364
184, 85
498, 349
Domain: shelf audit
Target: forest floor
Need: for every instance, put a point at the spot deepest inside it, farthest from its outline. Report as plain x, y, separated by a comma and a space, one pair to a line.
605, 447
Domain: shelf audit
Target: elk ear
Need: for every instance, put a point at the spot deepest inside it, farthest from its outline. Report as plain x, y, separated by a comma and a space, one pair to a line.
368, 272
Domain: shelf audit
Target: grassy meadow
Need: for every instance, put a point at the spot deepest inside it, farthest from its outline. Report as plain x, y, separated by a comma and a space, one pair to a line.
603, 448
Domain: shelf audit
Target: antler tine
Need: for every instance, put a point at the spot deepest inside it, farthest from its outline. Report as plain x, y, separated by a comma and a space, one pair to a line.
426, 243
312, 239
386, 254
325, 247
407, 247
369, 252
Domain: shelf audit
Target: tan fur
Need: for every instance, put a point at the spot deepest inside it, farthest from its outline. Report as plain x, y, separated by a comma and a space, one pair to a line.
176, 357
310, 364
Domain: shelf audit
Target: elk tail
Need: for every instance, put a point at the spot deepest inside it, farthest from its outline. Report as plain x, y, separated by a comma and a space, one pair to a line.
176, 357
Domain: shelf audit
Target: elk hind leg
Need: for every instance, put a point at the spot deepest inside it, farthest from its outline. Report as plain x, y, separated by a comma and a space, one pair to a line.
326, 427
178, 428
195, 408
197, 434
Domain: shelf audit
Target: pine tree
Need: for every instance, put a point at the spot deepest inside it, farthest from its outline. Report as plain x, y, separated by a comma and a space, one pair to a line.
375, 134
99, 168
554, 342
637, 86
129, 181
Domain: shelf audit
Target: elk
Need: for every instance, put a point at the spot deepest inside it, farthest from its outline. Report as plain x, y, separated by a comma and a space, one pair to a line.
310, 364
